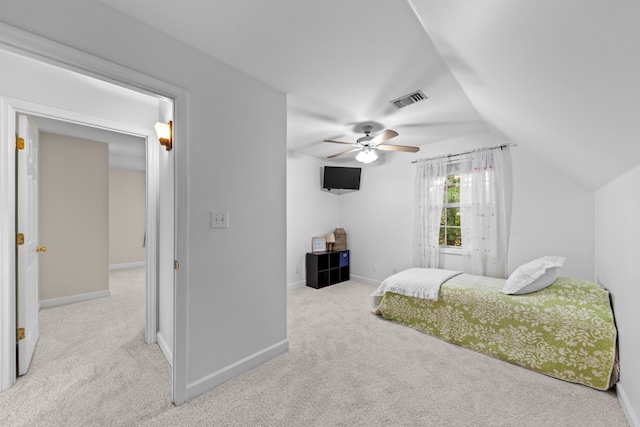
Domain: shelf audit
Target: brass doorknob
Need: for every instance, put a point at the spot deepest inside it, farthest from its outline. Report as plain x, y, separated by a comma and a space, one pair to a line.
41, 249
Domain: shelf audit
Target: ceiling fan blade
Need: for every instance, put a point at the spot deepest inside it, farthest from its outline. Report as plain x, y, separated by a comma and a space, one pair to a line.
339, 142
407, 148
343, 153
385, 136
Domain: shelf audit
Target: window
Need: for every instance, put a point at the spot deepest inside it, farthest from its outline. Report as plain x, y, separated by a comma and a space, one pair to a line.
460, 209
450, 230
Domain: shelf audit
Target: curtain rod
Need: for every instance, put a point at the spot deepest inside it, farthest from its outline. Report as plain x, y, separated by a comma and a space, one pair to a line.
465, 152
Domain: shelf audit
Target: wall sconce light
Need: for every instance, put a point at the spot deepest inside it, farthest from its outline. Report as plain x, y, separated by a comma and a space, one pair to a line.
165, 134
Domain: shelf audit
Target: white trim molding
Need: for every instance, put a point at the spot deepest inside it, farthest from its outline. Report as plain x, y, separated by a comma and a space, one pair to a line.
28, 44
54, 302
164, 348
214, 379
627, 407
365, 280
7, 247
127, 265
296, 285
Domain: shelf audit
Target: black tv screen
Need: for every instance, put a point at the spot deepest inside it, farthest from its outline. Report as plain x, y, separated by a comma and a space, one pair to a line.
344, 178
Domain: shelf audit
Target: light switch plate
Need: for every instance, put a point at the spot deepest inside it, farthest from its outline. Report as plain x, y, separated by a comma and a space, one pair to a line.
219, 219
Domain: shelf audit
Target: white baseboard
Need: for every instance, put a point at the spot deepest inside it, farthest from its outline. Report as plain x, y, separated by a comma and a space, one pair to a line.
127, 265
165, 348
629, 412
365, 280
52, 302
361, 279
296, 285
214, 379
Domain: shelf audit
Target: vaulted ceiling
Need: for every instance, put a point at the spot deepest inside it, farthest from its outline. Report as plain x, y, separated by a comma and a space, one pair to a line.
558, 78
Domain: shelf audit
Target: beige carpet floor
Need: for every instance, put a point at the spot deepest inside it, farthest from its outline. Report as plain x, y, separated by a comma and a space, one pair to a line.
345, 367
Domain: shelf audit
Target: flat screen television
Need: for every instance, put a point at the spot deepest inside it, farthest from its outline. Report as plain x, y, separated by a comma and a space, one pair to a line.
341, 178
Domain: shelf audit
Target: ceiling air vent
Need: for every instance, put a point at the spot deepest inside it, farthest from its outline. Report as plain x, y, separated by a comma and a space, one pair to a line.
412, 98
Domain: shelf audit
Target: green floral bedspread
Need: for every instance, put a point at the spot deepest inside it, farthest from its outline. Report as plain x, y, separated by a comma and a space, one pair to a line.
565, 331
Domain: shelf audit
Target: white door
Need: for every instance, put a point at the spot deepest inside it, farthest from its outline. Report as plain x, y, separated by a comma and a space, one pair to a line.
27, 256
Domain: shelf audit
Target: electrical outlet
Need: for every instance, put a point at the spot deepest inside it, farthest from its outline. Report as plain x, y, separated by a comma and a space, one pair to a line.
297, 270
374, 267
219, 219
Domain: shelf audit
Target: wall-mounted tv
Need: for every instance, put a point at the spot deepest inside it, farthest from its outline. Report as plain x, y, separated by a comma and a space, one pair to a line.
341, 178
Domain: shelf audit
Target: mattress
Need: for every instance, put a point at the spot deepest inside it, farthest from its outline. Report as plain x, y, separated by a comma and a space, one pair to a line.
566, 331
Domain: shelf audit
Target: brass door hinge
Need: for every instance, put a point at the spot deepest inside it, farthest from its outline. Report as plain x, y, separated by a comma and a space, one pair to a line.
176, 265
19, 334
19, 143
19, 239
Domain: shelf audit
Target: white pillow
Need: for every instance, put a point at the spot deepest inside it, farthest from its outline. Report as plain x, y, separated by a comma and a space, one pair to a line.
533, 276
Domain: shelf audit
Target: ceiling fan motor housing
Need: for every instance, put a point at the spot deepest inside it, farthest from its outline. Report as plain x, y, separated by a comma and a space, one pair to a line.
363, 140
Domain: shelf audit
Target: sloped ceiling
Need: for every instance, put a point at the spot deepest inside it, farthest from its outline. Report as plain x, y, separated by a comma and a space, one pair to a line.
557, 78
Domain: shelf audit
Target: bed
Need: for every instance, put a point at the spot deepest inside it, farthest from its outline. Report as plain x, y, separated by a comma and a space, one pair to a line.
565, 330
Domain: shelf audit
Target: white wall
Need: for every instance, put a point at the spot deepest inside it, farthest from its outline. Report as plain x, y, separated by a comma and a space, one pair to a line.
617, 232
74, 216
62, 89
551, 214
226, 274
127, 216
310, 211
378, 219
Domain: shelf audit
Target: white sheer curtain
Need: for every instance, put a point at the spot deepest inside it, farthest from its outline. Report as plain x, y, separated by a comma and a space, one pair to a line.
431, 175
483, 213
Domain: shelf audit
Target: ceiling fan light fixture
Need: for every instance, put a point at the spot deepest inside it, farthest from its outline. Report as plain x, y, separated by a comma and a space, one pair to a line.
367, 156
368, 145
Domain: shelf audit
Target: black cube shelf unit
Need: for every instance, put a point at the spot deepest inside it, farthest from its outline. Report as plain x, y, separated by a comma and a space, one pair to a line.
327, 268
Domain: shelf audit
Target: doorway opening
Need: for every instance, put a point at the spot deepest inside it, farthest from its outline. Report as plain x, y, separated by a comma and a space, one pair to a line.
159, 236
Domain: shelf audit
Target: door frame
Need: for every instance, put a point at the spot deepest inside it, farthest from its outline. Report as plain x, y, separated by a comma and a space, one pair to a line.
50, 52
12, 107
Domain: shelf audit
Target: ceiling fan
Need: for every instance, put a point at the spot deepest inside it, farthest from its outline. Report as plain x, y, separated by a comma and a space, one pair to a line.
367, 145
